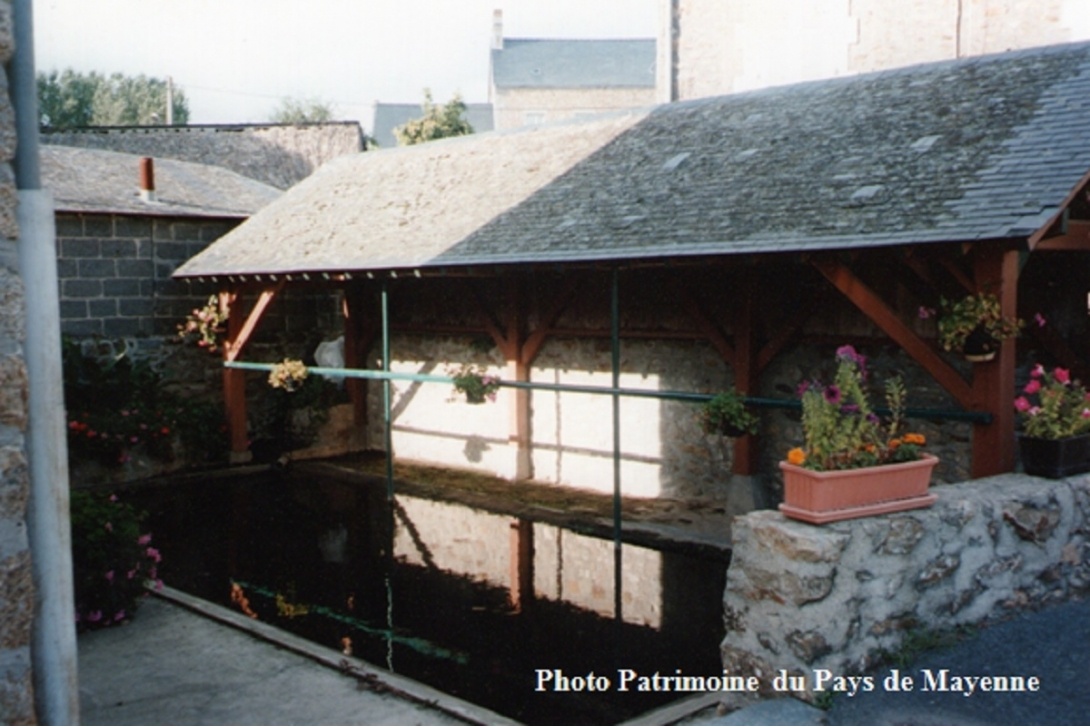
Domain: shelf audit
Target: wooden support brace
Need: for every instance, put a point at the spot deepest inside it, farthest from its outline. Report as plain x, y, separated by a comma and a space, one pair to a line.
885, 318
993, 383
746, 374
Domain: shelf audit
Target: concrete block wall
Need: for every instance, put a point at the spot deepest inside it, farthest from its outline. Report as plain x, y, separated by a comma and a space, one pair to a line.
16, 580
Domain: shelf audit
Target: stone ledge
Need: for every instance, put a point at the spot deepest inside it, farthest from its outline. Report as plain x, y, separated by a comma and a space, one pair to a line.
802, 597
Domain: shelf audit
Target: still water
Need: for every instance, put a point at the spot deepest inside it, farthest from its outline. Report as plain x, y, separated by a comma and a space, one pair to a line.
482, 605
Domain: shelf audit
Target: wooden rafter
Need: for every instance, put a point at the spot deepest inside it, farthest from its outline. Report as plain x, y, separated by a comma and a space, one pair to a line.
1077, 238
237, 340
704, 322
532, 346
887, 319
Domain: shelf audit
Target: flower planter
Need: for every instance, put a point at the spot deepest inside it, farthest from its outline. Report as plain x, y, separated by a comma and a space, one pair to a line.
823, 497
1055, 458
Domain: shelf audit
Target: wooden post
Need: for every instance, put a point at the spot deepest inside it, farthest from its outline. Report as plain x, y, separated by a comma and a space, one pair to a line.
234, 382
745, 375
517, 370
354, 353
522, 563
996, 271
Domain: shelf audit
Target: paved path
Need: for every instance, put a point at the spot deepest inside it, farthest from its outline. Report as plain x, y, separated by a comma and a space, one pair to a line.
172, 666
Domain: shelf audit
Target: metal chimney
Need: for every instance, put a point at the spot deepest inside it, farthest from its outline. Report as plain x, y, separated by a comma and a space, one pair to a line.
147, 179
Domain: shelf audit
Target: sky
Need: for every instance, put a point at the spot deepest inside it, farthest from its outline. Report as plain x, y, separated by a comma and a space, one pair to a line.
237, 59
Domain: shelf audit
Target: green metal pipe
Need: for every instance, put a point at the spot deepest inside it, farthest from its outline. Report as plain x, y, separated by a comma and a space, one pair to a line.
976, 417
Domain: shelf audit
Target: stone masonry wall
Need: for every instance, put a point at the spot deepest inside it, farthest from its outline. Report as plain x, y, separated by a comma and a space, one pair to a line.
727, 47
801, 597
16, 580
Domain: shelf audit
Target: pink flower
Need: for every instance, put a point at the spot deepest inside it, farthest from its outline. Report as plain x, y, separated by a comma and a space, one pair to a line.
1033, 386
154, 554
144, 539
110, 576
158, 584
1085, 414
1037, 371
1062, 375
119, 615
131, 574
926, 312
1022, 404
1040, 319
94, 616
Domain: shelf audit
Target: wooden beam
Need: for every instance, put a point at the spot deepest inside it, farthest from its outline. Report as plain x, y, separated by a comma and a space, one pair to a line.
746, 372
489, 322
786, 331
234, 385
536, 340
996, 270
236, 342
704, 323
1077, 238
885, 318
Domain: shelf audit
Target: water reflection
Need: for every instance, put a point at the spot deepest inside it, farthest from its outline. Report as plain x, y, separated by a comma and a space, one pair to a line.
469, 601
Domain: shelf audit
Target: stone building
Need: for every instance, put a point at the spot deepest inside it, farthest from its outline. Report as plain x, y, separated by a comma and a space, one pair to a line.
276, 154
17, 597
537, 81
751, 234
712, 47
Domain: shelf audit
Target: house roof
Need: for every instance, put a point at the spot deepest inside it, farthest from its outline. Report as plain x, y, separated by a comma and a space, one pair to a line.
276, 154
980, 148
93, 180
532, 63
388, 116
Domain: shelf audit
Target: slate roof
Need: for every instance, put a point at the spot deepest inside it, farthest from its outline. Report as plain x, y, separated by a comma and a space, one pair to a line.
93, 180
532, 63
975, 149
276, 154
391, 115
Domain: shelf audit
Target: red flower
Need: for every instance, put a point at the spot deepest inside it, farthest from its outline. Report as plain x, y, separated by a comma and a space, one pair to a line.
1062, 375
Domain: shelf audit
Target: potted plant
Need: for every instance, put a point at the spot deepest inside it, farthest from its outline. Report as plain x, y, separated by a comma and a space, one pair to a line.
975, 326
288, 375
475, 384
206, 324
1055, 412
726, 414
853, 464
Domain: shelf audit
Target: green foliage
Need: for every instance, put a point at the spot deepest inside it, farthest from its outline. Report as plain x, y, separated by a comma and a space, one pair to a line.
301, 111
290, 419
117, 407
474, 383
437, 122
726, 414
840, 428
72, 99
1053, 406
975, 319
112, 559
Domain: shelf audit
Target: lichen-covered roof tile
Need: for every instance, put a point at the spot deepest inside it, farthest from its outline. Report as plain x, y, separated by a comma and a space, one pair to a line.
820, 165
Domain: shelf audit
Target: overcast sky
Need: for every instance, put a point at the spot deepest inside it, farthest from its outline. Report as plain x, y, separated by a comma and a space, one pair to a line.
235, 59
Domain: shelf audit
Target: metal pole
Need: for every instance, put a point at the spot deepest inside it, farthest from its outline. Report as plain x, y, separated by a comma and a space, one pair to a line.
615, 349
387, 418
53, 640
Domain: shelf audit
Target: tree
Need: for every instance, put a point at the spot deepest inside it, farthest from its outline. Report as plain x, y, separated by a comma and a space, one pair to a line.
437, 122
306, 111
72, 99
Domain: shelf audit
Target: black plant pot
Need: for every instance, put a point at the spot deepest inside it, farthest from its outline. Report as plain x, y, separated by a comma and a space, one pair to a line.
979, 345
1055, 458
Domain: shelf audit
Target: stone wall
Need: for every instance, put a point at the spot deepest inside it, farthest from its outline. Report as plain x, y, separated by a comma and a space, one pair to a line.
801, 597
16, 580
515, 108
727, 47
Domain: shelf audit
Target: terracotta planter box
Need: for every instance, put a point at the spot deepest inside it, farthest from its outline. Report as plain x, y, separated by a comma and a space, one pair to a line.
1055, 458
824, 497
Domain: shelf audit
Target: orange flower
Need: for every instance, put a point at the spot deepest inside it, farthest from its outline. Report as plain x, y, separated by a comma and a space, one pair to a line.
796, 456
913, 438
895, 443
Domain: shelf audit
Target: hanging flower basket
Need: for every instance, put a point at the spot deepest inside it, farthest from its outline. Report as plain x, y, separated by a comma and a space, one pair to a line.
827, 496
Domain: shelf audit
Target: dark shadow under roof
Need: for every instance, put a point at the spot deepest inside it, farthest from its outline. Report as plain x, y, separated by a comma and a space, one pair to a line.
980, 148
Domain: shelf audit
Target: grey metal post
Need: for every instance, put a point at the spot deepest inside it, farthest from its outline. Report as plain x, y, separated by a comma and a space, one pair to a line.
53, 647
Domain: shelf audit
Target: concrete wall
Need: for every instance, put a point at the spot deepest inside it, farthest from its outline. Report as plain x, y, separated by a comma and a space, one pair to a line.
723, 46
801, 597
16, 582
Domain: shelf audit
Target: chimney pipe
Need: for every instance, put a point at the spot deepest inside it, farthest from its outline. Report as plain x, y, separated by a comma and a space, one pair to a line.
497, 29
147, 179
